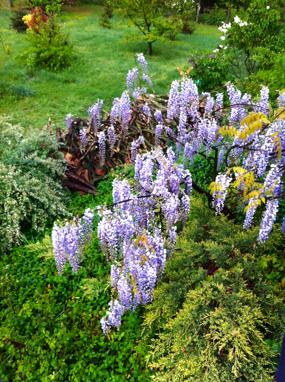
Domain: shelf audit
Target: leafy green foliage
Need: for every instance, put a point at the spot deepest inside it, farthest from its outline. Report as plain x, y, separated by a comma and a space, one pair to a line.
50, 324
49, 48
51, 7
273, 77
217, 316
31, 194
210, 71
254, 46
214, 16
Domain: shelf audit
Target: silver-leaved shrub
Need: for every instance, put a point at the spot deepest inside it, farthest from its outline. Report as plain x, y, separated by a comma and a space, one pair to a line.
31, 195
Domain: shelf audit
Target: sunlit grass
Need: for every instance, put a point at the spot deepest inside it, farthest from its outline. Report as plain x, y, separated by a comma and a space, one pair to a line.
103, 59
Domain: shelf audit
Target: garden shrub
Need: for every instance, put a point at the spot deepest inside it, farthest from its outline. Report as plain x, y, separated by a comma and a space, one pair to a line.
217, 315
210, 71
253, 42
49, 48
31, 193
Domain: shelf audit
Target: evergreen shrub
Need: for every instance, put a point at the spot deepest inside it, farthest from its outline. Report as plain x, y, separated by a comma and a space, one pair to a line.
31, 195
218, 315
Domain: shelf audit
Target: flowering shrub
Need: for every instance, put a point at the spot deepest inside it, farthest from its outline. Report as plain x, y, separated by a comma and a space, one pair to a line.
254, 40
49, 46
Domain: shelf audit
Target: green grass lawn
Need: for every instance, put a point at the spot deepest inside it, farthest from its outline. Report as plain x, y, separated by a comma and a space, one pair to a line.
103, 59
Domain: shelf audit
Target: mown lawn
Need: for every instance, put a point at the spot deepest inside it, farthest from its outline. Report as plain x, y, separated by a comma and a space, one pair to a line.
103, 59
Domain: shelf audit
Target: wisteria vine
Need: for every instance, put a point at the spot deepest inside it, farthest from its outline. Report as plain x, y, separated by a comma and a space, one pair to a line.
242, 137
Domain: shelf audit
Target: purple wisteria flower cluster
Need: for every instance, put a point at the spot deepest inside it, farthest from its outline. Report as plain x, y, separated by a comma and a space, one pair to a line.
70, 239
259, 146
139, 233
138, 80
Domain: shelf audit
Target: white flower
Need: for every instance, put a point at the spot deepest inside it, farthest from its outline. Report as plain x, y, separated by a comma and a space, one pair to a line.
223, 38
237, 20
221, 46
215, 50
268, 7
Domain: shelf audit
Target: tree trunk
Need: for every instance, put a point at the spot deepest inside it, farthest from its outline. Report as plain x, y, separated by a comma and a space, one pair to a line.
10, 3
149, 48
198, 11
229, 11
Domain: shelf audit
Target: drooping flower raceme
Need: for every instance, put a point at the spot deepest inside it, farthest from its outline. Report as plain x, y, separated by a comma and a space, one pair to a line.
220, 192
130, 235
121, 111
95, 114
70, 239
102, 147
